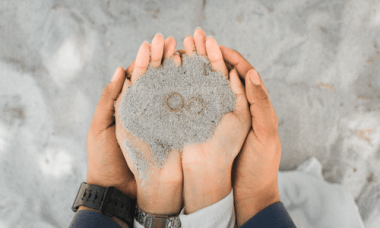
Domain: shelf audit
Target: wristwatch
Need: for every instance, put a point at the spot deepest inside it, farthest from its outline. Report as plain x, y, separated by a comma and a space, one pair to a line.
155, 220
109, 201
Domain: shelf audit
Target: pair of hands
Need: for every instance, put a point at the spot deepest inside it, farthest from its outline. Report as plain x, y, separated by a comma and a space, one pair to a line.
204, 174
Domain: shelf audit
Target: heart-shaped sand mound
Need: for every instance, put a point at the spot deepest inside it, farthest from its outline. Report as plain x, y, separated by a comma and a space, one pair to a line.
172, 106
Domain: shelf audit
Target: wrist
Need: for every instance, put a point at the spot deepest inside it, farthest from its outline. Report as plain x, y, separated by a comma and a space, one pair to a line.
161, 193
204, 186
115, 219
160, 198
248, 204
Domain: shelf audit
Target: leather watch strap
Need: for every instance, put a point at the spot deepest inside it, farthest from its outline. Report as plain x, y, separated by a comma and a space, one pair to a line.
156, 221
109, 201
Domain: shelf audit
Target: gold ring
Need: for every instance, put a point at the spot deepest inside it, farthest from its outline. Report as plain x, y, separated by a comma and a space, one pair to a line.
171, 95
202, 102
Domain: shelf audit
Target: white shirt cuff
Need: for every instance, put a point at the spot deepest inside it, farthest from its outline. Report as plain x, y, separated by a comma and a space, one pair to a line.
220, 214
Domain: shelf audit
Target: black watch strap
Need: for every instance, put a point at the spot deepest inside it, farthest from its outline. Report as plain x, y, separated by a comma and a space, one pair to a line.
109, 201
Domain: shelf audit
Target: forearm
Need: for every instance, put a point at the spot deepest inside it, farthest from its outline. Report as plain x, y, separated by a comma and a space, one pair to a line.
204, 186
248, 204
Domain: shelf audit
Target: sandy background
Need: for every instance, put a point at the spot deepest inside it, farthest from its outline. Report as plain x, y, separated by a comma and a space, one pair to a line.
319, 59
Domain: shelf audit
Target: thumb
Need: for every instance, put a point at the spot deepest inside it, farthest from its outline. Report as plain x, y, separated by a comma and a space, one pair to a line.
237, 87
263, 116
104, 112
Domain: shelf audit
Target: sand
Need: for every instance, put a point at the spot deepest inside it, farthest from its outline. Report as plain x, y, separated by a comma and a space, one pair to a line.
170, 107
140, 162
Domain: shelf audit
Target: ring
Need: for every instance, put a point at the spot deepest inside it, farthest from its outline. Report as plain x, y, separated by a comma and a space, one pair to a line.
202, 102
167, 99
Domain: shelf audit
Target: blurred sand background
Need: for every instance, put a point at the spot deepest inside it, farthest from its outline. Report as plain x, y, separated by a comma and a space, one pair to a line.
319, 59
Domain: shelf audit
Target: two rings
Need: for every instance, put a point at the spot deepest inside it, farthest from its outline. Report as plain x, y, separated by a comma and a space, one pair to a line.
191, 101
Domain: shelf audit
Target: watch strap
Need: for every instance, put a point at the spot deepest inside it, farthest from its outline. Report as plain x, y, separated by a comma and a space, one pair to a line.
109, 201
155, 220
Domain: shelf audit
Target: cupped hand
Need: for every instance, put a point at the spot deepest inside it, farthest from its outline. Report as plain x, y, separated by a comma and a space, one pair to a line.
207, 166
106, 164
256, 167
159, 189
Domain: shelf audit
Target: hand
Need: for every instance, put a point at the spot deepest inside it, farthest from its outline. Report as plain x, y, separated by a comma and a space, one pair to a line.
256, 167
207, 166
159, 190
106, 164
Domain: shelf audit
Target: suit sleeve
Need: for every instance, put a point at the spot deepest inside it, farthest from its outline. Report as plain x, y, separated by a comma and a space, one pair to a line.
274, 216
91, 219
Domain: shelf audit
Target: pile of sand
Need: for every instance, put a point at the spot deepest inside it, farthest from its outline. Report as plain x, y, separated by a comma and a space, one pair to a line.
172, 106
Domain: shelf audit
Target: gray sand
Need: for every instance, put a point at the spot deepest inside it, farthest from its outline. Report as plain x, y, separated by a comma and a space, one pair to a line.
140, 162
170, 106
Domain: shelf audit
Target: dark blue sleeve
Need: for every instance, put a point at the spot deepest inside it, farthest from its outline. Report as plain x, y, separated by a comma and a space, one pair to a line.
274, 216
92, 219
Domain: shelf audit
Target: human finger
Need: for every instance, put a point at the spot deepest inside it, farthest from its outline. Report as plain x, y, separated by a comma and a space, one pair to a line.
104, 112
236, 60
128, 74
181, 52
170, 45
239, 62
157, 48
177, 58
142, 61
229, 67
189, 45
129, 70
200, 41
237, 87
264, 119
126, 84
215, 56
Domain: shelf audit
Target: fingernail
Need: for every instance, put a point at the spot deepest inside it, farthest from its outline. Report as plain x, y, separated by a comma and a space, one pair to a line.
159, 34
197, 28
116, 74
255, 77
146, 42
208, 39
